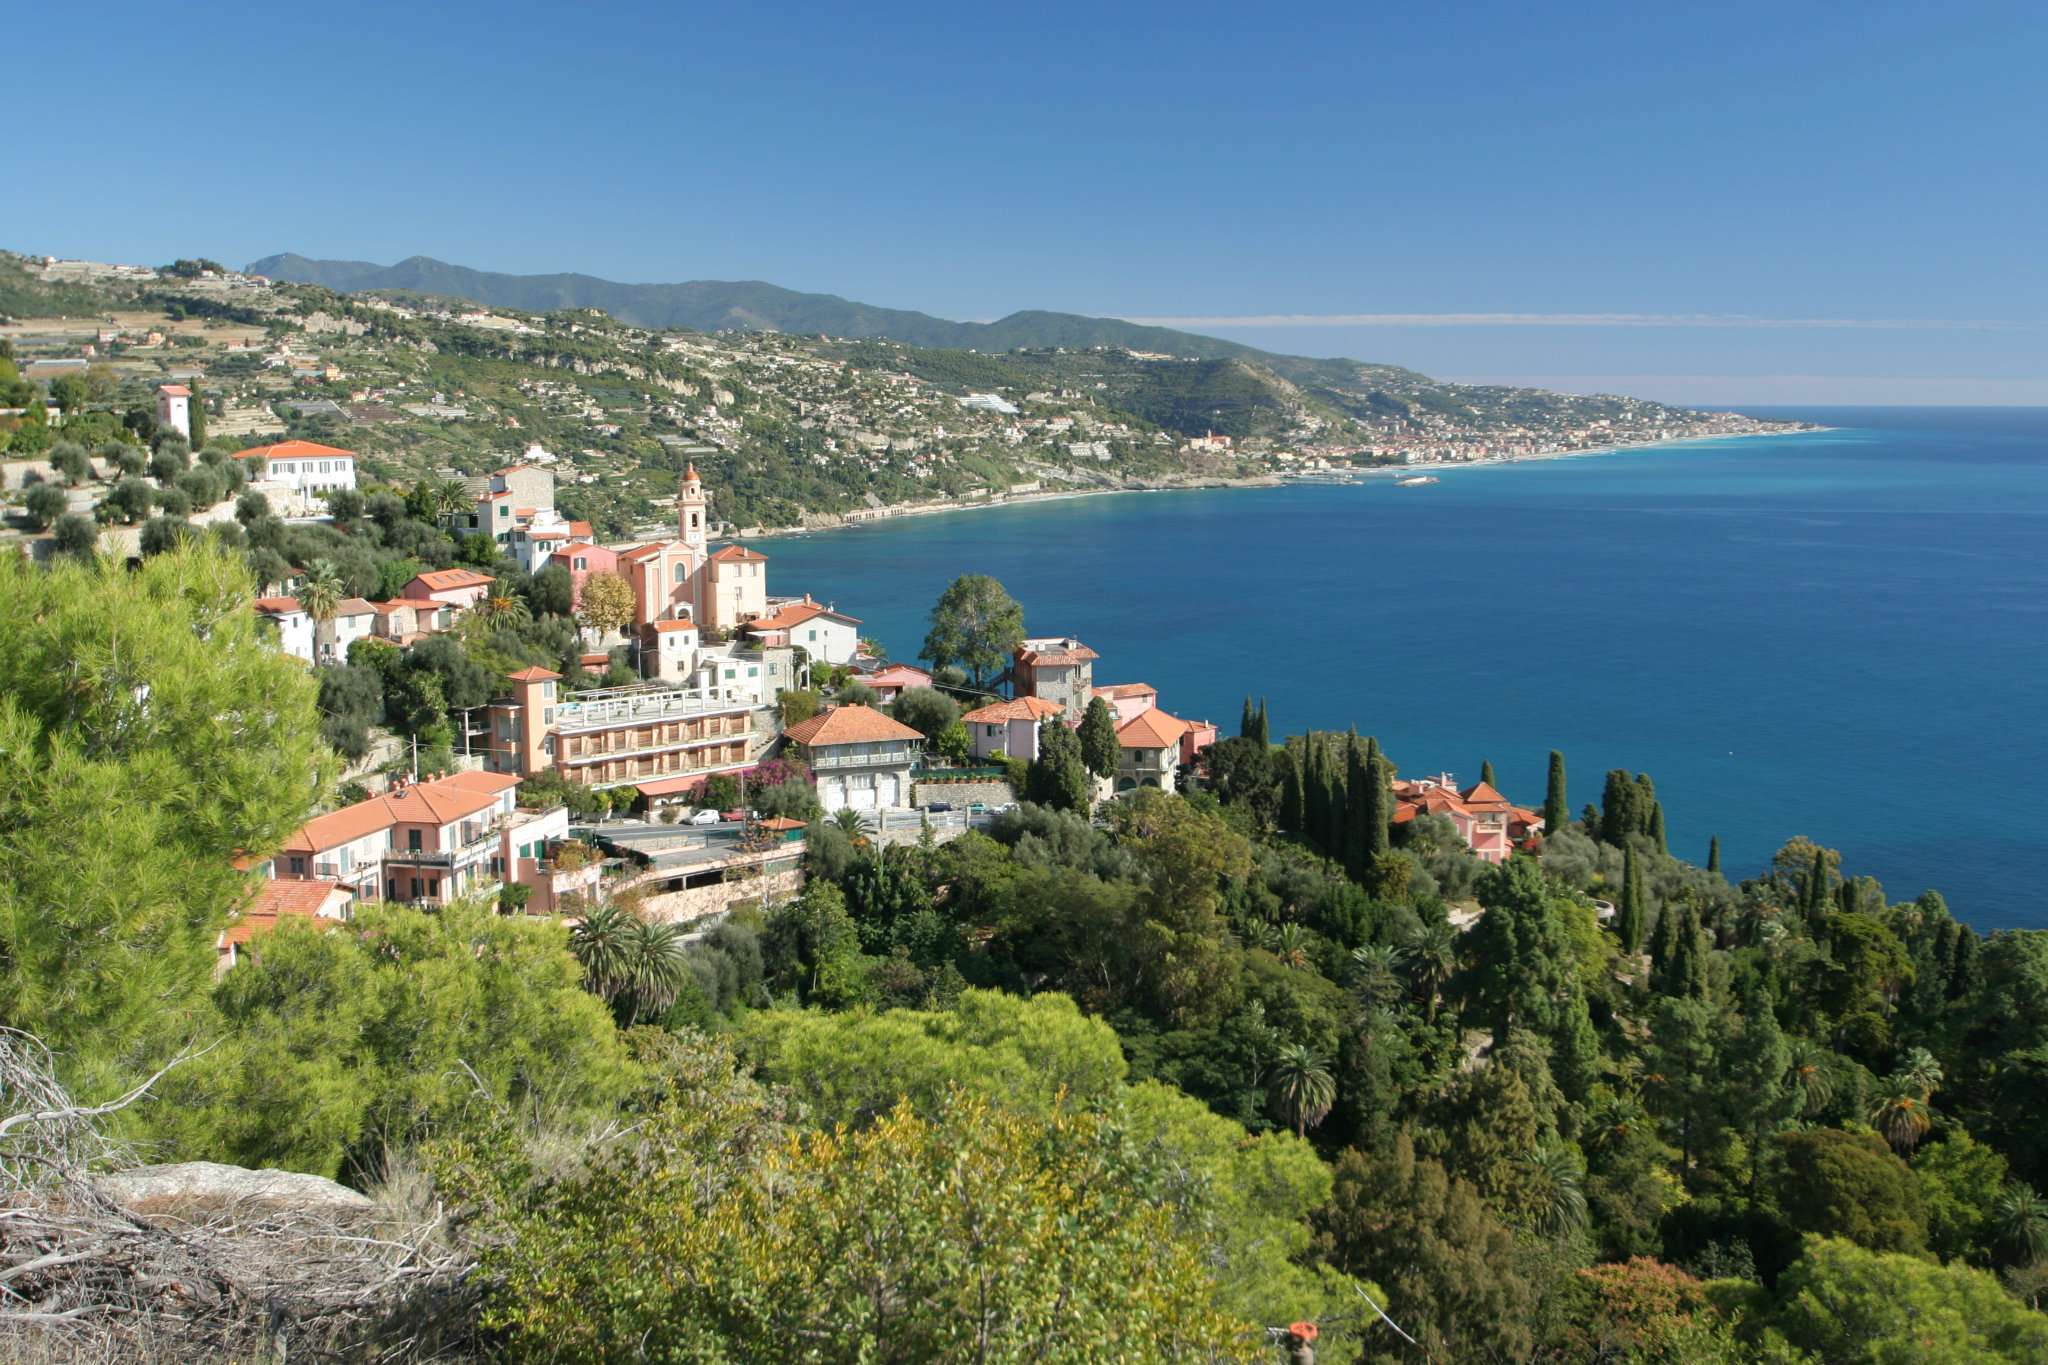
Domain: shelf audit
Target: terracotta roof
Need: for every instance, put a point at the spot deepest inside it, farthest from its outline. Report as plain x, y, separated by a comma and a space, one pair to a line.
274, 899
671, 786
176, 390
277, 606
848, 725
441, 580
1152, 729
534, 673
1116, 691
664, 627
780, 822
436, 802
1056, 653
796, 613
580, 528
547, 535
637, 553
690, 471
1484, 796
734, 553
354, 606
395, 605
899, 673
294, 450
511, 469
1024, 708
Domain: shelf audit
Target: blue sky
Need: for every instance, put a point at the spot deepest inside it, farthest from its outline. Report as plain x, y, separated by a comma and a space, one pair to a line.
1807, 202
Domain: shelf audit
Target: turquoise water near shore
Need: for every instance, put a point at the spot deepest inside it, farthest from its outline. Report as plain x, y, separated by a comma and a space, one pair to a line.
1842, 634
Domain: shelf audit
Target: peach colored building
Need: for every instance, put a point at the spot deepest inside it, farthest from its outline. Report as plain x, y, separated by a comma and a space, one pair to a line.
1128, 701
892, 682
1151, 748
1492, 826
671, 579
1009, 727
457, 588
618, 736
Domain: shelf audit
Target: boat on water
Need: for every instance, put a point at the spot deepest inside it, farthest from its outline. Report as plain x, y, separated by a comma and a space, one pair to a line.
1415, 481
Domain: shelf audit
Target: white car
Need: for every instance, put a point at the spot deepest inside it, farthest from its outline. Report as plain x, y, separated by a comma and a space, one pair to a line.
707, 816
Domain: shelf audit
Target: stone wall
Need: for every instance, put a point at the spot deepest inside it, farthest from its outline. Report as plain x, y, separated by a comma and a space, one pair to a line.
961, 795
697, 901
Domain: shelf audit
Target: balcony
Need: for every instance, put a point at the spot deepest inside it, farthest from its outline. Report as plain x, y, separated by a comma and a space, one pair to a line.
612, 706
888, 758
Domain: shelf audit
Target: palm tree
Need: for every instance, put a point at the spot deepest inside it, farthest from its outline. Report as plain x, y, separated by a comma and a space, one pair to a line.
1292, 945
1554, 1184
1810, 1073
603, 942
504, 607
657, 964
853, 822
1902, 1116
1303, 1088
1376, 968
1433, 958
1921, 1072
2020, 1219
320, 595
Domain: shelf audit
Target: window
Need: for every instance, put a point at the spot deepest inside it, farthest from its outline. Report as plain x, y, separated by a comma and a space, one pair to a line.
298, 867
415, 888
548, 691
503, 510
412, 842
579, 563
547, 715
433, 886
680, 574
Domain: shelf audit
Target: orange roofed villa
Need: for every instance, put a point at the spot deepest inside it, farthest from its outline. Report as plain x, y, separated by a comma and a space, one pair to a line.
860, 758
1492, 826
430, 842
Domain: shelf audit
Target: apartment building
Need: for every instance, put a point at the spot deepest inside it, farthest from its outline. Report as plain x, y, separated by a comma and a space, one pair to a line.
614, 736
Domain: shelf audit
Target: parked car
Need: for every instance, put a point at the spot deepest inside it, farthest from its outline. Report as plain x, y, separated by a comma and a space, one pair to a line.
937, 807
707, 816
732, 816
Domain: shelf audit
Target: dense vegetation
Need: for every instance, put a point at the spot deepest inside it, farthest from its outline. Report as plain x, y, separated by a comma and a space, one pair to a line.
1056, 1091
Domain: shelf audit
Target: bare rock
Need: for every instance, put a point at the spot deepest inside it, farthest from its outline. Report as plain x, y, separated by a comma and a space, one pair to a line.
193, 1190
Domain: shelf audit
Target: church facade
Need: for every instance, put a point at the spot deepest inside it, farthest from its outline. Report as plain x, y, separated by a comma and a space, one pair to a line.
685, 579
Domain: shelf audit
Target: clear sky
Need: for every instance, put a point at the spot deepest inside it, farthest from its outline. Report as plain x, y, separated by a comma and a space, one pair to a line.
1822, 201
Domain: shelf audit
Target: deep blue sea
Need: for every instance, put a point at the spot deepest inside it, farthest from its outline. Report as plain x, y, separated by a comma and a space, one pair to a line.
1840, 634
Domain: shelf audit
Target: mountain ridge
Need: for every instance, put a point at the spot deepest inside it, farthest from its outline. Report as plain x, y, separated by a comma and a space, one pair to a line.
755, 305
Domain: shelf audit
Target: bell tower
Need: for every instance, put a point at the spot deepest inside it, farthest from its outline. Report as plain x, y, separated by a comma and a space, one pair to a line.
692, 522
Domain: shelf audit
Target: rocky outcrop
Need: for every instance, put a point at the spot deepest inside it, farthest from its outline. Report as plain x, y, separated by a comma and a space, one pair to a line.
197, 1190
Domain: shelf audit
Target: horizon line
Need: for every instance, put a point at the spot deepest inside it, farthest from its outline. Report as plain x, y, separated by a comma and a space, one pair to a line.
1499, 319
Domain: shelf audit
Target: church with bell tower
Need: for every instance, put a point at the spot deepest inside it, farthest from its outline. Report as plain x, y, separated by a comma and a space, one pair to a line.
686, 580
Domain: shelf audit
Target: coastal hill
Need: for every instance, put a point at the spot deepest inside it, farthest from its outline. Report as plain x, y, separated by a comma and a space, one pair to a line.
739, 305
799, 416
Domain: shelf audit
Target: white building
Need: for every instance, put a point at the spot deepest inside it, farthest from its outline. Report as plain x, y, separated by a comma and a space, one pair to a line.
174, 409
303, 468
826, 635
860, 758
294, 626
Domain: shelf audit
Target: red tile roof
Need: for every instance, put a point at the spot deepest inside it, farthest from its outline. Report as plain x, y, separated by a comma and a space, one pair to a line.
664, 627
353, 606
277, 606
1024, 708
796, 613
535, 673
442, 580
295, 450
1483, 796
848, 725
1152, 729
1117, 691
580, 528
176, 390
900, 675
438, 802
635, 554
1057, 653
275, 899
734, 553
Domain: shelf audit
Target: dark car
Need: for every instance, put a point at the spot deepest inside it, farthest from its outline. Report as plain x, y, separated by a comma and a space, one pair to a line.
938, 806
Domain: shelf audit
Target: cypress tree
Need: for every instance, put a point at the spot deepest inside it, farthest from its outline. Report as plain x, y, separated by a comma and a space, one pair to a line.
1657, 827
1358, 807
1663, 949
1264, 731
1817, 883
1714, 856
195, 409
1381, 827
1629, 915
1645, 802
1245, 724
1617, 809
1311, 791
1556, 810
1486, 771
1291, 794
1688, 974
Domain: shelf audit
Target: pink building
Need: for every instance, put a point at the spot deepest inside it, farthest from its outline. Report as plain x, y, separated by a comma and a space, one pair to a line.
457, 588
672, 579
584, 560
1492, 826
1009, 727
1128, 701
892, 682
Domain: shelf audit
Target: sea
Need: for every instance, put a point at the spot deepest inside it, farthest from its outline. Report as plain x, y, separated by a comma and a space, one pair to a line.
1841, 633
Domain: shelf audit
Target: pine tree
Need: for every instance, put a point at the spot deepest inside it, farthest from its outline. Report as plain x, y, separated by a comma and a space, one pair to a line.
1486, 772
1656, 830
1556, 810
1629, 917
1264, 731
1714, 856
